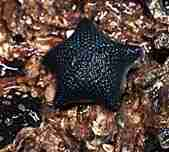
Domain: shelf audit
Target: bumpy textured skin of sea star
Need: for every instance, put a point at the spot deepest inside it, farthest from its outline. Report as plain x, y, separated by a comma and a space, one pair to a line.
89, 66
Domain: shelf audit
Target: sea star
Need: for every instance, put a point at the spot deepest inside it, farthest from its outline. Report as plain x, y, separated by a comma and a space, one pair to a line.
89, 66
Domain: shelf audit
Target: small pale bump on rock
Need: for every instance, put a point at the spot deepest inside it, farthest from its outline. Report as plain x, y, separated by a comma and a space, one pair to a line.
50, 92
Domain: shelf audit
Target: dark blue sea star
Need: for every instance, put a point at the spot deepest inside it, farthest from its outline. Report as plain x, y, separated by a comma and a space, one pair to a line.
88, 65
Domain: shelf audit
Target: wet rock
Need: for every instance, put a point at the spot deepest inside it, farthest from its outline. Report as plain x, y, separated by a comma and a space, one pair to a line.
163, 137
12, 68
17, 110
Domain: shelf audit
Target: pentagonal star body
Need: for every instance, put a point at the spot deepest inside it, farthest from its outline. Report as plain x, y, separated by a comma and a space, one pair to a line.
88, 65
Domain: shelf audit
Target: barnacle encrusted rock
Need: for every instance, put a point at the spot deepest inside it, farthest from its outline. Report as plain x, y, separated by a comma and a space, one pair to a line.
17, 110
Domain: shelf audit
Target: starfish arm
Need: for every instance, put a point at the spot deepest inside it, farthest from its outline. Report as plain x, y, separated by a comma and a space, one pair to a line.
54, 59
